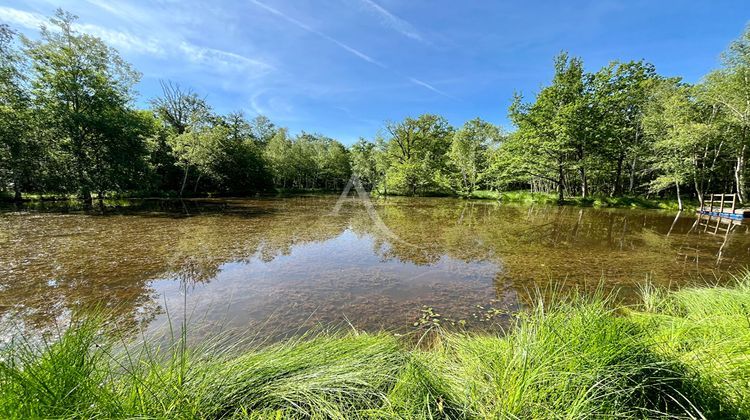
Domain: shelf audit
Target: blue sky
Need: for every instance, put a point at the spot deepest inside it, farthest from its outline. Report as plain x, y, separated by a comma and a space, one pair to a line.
344, 67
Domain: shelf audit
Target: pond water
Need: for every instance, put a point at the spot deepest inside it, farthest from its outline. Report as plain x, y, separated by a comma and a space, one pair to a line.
279, 266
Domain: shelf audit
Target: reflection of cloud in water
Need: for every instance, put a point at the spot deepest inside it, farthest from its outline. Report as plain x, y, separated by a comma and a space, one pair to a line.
339, 279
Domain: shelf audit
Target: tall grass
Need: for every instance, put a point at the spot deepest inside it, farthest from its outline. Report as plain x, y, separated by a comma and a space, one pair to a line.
705, 331
683, 354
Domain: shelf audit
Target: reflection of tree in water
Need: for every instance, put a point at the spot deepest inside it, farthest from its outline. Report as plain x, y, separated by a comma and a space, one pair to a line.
51, 262
541, 244
428, 231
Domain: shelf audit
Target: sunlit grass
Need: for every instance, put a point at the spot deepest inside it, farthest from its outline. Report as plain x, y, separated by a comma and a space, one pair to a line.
678, 354
706, 331
527, 197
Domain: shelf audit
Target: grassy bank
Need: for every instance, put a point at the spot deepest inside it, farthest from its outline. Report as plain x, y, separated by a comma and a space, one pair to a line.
679, 354
596, 201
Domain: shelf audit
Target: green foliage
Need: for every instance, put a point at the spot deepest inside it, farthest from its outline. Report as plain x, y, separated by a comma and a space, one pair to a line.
84, 88
364, 163
416, 154
308, 161
681, 134
20, 157
68, 125
682, 354
705, 331
468, 153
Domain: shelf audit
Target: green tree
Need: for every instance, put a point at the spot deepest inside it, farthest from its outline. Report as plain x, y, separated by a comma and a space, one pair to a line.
681, 133
549, 129
363, 163
619, 94
82, 91
332, 163
417, 150
182, 111
20, 154
278, 155
262, 130
729, 87
468, 153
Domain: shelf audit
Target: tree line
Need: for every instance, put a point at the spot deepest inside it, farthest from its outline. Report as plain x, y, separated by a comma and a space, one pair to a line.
622, 130
69, 125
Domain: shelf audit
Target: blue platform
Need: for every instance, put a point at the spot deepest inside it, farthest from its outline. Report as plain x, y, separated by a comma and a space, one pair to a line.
726, 215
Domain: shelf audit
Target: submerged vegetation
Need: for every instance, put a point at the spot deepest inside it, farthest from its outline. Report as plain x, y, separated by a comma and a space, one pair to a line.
68, 125
678, 354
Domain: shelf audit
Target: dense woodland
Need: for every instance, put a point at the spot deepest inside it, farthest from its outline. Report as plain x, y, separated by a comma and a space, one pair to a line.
69, 125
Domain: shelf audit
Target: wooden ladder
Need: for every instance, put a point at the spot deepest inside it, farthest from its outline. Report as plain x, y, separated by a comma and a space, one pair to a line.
722, 199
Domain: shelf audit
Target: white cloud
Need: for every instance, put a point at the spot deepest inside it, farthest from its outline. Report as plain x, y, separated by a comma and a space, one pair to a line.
402, 25
123, 40
394, 22
224, 60
430, 87
219, 60
28, 20
274, 106
308, 28
122, 10
117, 39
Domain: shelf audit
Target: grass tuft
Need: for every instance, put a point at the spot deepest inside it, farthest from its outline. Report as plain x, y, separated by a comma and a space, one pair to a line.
681, 354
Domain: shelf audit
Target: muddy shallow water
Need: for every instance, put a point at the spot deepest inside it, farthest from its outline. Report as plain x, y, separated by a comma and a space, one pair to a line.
280, 266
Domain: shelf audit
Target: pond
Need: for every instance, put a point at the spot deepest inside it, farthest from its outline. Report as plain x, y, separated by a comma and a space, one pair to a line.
280, 266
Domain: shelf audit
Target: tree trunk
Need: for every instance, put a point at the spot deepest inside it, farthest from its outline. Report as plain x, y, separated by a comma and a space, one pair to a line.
679, 199
184, 180
739, 175
584, 183
632, 175
197, 182
699, 192
616, 190
16, 191
560, 184
86, 196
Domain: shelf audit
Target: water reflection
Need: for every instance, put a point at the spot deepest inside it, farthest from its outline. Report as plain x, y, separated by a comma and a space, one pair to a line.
284, 264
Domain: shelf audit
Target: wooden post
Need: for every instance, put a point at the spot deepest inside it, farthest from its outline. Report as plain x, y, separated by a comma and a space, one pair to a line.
721, 209
734, 202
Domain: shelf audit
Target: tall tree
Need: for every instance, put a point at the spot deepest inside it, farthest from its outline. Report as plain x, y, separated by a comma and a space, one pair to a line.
182, 111
278, 156
417, 148
681, 132
20, 153
83, 89
729, 87
619, 93
363, 163
468, 153
262, 129
550, 129
179, 108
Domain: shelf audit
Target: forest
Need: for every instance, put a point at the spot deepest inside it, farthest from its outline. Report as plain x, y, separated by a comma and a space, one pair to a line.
70, 126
